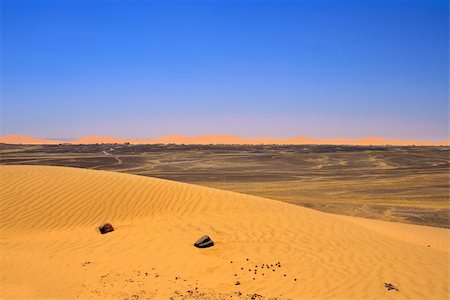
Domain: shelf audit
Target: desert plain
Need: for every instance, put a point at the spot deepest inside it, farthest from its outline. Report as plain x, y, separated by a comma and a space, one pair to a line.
392, 183
162, 198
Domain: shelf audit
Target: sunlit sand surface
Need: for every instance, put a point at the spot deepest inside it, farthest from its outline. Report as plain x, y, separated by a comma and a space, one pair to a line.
51, 247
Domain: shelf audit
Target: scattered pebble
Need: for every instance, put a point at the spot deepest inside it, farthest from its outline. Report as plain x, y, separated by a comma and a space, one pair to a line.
390, 286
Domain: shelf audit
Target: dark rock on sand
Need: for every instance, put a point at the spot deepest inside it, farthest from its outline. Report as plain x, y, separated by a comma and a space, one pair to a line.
204, 242
106, 228
390, 287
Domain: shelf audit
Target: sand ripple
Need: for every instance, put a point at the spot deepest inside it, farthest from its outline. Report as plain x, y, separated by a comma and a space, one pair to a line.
50, 246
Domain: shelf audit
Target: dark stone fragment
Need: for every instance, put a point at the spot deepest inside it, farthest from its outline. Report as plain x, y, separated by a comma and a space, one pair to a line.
106, 228
204, 242
390, 286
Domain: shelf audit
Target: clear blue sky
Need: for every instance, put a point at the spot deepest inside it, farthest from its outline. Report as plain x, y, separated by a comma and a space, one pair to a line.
141, 69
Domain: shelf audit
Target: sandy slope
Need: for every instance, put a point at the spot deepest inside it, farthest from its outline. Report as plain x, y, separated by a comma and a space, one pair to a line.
50, 246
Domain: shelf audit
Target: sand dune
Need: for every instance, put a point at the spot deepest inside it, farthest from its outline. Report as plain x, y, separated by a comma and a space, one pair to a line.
98, 140
50, 246
24, 139
223, 139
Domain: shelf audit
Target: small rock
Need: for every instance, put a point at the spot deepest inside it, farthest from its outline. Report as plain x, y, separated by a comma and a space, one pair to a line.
204, 242
237, 283
106, 228
390, 286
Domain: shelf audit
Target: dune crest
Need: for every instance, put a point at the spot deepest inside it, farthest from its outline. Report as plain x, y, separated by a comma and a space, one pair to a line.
51, 247
224, 139
25, 139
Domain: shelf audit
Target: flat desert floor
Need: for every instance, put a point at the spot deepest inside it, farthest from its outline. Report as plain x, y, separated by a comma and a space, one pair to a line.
264, 249
402, 184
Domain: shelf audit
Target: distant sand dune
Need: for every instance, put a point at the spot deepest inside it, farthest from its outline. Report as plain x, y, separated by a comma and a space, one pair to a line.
50, 246
24, 139
223, 139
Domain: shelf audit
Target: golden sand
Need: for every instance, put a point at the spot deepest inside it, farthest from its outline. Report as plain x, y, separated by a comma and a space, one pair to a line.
50, 245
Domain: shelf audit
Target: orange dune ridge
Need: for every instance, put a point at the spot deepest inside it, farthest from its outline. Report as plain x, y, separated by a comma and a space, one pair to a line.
51, 247
98, 140
28, 140
223, 139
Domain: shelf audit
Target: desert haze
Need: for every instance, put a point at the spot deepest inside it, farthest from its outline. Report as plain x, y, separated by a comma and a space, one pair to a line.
221, 139
51, 247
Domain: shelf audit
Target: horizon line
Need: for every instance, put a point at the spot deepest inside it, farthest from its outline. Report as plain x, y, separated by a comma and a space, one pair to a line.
221, 139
